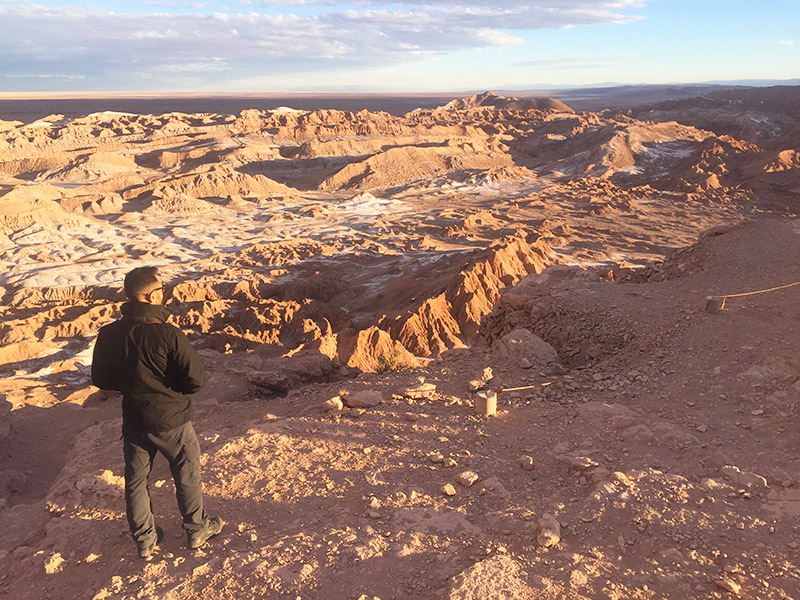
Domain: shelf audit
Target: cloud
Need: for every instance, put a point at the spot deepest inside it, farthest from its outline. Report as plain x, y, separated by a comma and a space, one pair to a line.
43, 76
785, 42
593, 62
274, 37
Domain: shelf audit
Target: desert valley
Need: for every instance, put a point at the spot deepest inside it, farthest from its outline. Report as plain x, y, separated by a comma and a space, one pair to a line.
354, 281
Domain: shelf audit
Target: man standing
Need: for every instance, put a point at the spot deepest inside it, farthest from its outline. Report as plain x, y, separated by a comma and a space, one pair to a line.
155, 368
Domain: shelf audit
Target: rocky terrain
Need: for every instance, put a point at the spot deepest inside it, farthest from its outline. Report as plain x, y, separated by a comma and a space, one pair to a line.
353, 280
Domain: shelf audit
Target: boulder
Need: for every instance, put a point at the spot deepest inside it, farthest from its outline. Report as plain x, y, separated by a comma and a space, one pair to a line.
526, 349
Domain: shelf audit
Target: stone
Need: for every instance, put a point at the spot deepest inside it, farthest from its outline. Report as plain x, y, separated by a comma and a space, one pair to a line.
423, 390
522, 344
54, 564
476, 384
362, 398
448, 489
549, 531
409, 416
578, 462
334, 404
729, 585
743, 478
526, 462
701, 428
467, 478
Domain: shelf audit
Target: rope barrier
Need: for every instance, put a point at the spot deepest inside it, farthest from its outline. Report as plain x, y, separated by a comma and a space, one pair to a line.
780, 287
524, 387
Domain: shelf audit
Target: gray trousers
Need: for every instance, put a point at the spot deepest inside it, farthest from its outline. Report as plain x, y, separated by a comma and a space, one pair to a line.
182, 451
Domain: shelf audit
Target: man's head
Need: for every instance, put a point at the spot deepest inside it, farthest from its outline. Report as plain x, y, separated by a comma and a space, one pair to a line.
143, 285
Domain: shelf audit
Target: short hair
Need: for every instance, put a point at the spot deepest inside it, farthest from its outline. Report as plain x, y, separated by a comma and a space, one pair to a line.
139, 281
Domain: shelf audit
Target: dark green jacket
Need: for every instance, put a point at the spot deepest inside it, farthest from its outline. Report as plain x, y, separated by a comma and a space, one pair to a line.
152, 364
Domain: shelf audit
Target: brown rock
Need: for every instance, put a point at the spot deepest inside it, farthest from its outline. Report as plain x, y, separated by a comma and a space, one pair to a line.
448, 489
549, 531
362, 398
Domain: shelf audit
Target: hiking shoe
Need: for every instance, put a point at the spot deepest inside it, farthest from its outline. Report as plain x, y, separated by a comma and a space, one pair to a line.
147, 549
212, 527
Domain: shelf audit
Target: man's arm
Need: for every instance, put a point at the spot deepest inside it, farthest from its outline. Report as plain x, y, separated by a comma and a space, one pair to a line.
104, 364
186, 366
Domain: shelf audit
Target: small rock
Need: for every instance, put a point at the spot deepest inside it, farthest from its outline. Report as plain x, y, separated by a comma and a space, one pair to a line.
334, 404
373, 514
436, 459
702, 428
54, 564
549, 531
356, 412
362, 398
757, 412
450, 463
476, 385
558, 369
448, 489
526, 462
409, 416
577, 462
729, 585
743, 478
467, 478
423, 390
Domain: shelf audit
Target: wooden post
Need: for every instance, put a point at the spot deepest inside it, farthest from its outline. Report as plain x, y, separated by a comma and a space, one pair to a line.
714, 304
486, 403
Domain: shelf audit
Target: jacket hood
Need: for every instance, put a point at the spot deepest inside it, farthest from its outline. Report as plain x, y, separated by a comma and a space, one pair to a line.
142, 311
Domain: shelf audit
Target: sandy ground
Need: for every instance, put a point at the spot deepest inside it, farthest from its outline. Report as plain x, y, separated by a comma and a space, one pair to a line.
649, 455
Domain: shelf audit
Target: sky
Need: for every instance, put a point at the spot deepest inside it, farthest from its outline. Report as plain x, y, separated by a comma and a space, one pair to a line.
314, 46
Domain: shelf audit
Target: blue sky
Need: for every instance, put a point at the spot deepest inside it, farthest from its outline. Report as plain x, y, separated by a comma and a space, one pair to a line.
274, 46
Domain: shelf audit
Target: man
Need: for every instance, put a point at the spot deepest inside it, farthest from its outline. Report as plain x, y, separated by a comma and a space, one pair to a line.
155, 368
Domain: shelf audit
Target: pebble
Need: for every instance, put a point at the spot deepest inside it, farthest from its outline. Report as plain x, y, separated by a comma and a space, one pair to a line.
334, 404
549, 531
526, 462
702, 428
409, 416
729, 585
448, 489
476, 384
467, 478
423, 390
757, 412
361, 398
